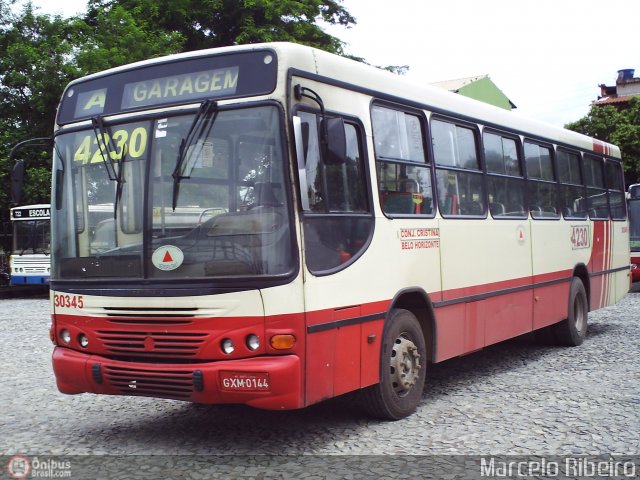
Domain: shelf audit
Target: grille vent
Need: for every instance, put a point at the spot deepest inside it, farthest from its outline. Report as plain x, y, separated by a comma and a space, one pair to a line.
150, 383
152, 342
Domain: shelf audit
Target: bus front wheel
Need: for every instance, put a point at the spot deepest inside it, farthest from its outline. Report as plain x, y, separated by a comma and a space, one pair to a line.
573, 330
403, 365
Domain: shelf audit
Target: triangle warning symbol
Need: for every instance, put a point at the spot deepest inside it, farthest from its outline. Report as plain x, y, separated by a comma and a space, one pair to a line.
167, 257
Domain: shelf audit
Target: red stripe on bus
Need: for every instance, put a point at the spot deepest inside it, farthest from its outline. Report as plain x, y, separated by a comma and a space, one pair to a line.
601, 147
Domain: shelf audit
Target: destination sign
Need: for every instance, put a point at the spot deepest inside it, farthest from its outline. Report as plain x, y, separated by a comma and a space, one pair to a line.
190, 86
170, 82
29, 213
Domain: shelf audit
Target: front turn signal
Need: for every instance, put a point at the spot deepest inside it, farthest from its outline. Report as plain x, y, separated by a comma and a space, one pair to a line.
282, 342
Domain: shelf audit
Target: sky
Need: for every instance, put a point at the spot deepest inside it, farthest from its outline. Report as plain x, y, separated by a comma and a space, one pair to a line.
547, 56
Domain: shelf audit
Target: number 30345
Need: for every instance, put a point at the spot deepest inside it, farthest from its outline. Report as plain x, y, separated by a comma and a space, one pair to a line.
68, 301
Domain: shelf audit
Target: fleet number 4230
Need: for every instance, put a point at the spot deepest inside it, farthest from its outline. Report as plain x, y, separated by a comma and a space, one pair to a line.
580, 236
68, 301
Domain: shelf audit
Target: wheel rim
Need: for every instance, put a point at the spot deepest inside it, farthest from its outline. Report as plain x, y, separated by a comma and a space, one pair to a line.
579, 313
405, 365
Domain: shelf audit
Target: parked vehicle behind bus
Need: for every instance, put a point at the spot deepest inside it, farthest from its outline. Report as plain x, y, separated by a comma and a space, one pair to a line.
30, 224
30, 255
633, 205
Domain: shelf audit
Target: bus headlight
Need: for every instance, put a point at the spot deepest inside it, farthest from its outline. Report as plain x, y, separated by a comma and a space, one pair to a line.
83, 340
253, 342
227, 346
65, 336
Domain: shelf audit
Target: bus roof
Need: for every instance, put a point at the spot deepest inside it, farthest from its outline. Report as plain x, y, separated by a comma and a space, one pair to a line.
377, 81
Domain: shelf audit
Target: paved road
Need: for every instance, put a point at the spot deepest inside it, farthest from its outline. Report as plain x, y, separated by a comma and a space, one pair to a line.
515, 398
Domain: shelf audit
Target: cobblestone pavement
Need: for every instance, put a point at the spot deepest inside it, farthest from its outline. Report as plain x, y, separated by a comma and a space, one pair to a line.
515, 398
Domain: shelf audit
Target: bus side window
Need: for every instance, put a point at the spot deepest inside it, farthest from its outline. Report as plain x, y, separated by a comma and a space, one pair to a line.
615, 186
541, 185
505, 181
597, 203
404, 177
460, 184
571, 188
339, 223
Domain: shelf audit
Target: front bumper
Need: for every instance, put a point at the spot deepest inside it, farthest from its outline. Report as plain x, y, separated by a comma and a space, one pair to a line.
271, 383
29, 280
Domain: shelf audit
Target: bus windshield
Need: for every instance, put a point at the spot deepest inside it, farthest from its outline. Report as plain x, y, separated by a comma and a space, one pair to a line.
193, 196
634, 224
31, 237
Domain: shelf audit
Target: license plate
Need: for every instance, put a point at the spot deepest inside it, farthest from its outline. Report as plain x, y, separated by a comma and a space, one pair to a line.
245, 382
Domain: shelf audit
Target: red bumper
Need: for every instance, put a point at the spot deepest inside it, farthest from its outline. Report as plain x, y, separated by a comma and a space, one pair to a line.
271, 383
635, 272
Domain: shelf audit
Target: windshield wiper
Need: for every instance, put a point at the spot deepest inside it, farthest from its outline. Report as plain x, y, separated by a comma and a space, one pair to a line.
200, 127
103, 138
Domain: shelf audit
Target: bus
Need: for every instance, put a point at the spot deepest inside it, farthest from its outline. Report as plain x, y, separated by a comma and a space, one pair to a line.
633, 205
29, 263
30, 254
288, 226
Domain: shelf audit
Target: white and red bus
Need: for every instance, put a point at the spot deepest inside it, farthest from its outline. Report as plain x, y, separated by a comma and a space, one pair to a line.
633, 206
288, 225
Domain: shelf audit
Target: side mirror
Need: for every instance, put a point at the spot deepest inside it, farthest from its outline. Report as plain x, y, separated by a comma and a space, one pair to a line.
335, 141
17, 180
17, 173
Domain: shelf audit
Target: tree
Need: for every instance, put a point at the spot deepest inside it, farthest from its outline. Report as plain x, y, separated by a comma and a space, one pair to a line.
216, 23
618, 126
115, 36
41, 54
34, 67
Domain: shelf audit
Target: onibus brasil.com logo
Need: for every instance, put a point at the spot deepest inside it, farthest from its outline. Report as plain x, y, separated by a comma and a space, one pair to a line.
20, 466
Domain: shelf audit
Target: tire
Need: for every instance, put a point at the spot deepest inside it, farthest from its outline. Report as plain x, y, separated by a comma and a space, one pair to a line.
572, 331
403, 365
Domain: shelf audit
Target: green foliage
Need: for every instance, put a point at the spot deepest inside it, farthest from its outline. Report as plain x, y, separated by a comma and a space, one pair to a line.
35, 64
397, 69
41, 54
216, 23
116, 36
618, 126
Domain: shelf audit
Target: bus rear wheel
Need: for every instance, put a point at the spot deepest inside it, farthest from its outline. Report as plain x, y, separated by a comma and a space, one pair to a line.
403, 363
573, 330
